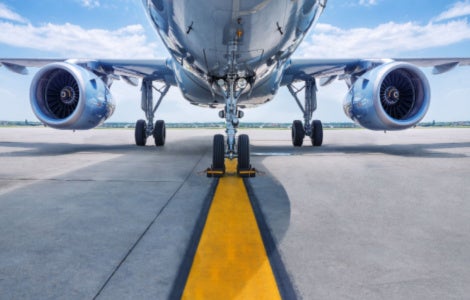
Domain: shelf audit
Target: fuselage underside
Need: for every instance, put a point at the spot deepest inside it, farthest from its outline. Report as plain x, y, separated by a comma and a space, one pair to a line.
251, 39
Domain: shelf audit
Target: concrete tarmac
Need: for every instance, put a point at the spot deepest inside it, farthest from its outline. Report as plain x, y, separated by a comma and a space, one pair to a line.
367, 216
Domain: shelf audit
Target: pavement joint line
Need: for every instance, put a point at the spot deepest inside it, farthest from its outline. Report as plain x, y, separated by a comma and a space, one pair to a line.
121, 262
230, 260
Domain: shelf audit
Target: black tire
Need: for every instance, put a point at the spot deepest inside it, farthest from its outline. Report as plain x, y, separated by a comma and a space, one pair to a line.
243, 152
317, 133
140, 133
298, 133
159, 133
218, 153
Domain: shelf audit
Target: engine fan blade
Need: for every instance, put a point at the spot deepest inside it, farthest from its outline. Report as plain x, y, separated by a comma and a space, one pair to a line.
62, 94
397, 94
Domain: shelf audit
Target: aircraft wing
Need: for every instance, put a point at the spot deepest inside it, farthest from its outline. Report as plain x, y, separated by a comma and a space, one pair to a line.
329, 69
128, 69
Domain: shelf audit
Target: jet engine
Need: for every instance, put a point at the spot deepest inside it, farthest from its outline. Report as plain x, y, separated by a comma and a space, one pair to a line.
67, 96
393, 96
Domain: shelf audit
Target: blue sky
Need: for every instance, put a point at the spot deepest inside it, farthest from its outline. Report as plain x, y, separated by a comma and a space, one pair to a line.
349, 28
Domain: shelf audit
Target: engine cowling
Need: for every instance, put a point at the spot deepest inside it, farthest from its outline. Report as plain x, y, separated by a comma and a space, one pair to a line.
67, 96
393, 96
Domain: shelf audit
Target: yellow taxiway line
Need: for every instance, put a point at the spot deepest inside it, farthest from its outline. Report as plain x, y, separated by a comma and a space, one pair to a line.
231, 260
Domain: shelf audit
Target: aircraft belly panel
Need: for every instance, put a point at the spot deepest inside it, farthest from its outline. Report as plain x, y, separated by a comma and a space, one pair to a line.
199, 28
251, 38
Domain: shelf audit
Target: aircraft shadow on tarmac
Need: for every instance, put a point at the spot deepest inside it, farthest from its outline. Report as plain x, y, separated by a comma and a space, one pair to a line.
49, 149
439, 150
272, 207
194, 145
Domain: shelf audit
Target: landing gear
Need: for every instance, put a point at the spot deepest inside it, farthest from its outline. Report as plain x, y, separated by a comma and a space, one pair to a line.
314, 129
159, 133
218, 153
144, 129
140, 133
243, 146
298, 133
317, 133
231, 88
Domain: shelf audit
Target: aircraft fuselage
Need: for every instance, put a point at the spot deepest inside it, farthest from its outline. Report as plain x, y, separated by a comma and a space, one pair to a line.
213, 39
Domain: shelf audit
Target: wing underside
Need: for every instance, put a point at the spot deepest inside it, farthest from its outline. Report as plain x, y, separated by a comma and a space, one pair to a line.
329, 69
297, 70
158, 69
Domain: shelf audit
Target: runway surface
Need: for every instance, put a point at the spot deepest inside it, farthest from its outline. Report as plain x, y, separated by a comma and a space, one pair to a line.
367, 216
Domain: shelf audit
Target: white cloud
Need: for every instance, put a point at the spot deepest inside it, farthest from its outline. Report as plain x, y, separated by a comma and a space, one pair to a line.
367, 2
459, 9
90, 3
8, 14
385, 40
70, 40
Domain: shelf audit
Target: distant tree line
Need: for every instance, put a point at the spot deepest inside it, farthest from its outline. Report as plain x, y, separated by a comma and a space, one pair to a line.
242, 125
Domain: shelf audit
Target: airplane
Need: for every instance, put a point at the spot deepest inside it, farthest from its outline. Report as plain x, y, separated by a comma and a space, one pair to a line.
231, 55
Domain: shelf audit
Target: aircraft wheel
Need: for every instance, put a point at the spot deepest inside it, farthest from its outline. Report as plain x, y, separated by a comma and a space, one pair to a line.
298, 133
317, 133
140, 133
218, 153
243, 152
159, 133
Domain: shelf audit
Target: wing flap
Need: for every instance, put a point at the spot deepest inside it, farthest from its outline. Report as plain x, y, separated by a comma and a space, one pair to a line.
15, 68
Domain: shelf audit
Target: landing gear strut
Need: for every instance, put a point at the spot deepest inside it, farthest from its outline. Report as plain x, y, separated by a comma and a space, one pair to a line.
144, 129
313, 129
232, 87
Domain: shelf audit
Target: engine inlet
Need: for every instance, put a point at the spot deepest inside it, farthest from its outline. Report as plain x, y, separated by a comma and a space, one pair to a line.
397, 94
62, 94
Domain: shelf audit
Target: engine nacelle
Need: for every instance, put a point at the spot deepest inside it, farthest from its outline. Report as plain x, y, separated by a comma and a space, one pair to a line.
67, 96
393, 96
